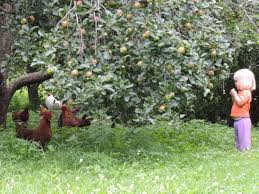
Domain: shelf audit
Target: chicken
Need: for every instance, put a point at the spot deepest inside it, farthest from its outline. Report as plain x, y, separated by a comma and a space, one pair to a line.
22, 116
52, 103
68, 118
42, 134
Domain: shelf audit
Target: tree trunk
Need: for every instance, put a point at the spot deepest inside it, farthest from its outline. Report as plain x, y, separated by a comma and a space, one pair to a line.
6, 92
5, 99
34, 96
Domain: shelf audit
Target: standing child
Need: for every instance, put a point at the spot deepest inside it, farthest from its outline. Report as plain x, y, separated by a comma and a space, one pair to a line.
245, 83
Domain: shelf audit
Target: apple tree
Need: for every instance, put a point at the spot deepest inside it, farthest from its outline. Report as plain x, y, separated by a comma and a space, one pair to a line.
131, 60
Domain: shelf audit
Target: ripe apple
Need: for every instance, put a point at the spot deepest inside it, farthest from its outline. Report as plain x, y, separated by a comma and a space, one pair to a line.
65, 23
50, 71
190, 65
181, 50
169, 68
69, 62
23, 21
210, 72
172, 72
74, 73
88, 74
140, 63
156, 38
210, 85
200, 12
188, 25
172, 94
70, 101
213, 53
129, 16
32, 18
147, 34
123, 50
137, 5
130, 30
162, 108
79, 3
119, 12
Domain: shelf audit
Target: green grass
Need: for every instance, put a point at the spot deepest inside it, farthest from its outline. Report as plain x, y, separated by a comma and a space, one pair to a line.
195, 157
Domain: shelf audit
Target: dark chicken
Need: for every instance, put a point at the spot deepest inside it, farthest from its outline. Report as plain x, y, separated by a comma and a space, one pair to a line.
68, 118
42, 134
22, 116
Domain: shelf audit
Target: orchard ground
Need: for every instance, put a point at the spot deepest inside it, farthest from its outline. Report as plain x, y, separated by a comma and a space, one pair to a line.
192, 157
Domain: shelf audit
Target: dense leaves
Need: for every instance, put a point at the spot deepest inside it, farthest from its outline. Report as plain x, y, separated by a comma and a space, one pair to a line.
129, 61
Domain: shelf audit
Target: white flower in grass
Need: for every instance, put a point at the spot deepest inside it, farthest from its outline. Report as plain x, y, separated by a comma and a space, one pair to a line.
81, 160
77, 188
97, 190
12, 181
156, 177
77, 178
69, 192
144, 192
68, 185
162, 188
221, 191
101, 176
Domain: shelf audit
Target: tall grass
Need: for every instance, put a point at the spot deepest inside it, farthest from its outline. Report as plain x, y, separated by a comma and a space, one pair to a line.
194, 157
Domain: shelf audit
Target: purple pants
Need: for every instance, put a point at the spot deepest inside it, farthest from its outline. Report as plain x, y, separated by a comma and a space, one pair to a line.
243, 134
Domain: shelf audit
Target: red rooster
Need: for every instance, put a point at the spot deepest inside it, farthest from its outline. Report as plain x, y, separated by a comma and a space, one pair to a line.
42, 134
22, 116
68, 118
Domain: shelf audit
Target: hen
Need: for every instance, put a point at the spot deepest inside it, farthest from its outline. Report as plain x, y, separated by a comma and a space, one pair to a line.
22, 116
52, 103
68, 118
42, 134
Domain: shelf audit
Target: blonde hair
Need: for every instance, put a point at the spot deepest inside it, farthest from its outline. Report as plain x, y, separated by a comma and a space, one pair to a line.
246, 79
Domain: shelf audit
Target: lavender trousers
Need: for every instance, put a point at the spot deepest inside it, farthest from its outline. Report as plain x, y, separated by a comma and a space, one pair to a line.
243, 134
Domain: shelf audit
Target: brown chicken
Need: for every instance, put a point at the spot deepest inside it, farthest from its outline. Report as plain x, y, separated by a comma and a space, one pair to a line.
68, 118
42, 134
22, 116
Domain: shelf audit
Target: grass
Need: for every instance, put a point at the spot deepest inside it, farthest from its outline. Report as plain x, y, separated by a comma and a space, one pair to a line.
194, 157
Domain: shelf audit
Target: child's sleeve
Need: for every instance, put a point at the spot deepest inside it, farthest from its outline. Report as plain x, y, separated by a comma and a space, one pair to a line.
245, 97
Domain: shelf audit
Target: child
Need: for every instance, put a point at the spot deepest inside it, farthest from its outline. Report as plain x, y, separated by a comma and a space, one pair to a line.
245, 83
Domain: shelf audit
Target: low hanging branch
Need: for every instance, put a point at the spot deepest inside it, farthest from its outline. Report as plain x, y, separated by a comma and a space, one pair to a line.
7, 91
31, 78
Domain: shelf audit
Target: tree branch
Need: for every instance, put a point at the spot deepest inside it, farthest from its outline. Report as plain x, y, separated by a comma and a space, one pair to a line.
31, 78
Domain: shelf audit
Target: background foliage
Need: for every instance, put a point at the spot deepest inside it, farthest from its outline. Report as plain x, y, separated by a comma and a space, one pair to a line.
133, 60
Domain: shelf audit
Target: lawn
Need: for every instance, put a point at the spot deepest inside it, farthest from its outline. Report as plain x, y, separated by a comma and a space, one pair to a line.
194, 157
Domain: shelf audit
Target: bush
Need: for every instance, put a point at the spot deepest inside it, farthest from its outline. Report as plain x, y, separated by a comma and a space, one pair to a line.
19, 101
